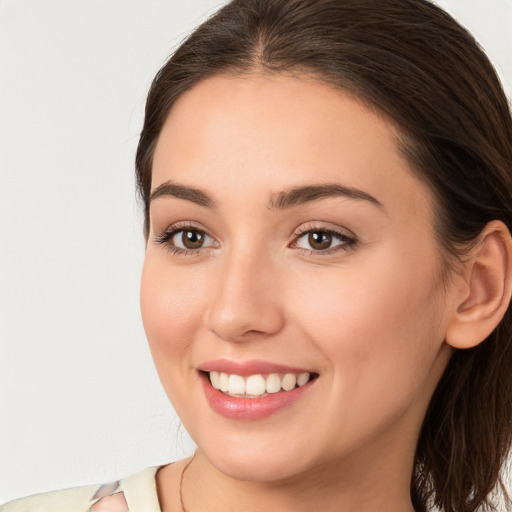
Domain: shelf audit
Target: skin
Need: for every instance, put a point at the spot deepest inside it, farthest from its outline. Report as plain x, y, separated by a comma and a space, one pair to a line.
369, 317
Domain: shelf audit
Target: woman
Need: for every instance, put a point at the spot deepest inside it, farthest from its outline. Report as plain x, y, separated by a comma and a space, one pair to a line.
326, 291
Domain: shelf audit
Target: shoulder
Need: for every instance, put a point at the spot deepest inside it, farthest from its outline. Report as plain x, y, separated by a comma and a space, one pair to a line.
138, 489
78, 499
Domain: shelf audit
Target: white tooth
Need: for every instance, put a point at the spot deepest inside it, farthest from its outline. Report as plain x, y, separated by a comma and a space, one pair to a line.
215, 379
273, 384
289, 381
224, 382
302, 379
236, 385
255, 385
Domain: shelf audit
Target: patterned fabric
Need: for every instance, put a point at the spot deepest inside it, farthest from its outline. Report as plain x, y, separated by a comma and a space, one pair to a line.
136, 493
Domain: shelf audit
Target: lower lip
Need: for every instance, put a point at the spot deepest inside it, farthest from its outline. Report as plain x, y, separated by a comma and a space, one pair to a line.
250, 408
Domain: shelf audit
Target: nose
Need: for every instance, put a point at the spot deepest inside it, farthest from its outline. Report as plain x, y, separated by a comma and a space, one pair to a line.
246, 303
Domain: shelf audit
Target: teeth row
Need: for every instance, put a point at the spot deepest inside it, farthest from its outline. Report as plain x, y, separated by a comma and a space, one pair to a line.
257, 385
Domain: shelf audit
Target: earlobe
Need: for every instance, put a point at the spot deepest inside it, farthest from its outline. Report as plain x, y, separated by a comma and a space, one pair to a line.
488, 276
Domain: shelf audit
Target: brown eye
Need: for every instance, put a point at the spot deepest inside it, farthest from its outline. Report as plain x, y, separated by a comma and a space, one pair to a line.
319, 240
186, 240
189, 239
323, 241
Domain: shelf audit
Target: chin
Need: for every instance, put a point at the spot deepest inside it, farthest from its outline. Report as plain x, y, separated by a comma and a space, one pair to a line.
256, 465
264, 456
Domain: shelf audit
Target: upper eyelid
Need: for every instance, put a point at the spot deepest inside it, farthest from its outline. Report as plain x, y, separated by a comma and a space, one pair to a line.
301, 229
308, 227
335, 233
175, 228
183, 226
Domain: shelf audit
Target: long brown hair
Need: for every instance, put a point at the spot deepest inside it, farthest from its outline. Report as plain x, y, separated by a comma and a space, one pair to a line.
416, 65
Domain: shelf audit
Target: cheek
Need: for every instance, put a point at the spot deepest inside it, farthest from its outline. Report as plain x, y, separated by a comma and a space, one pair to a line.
350, 302
379, 333
377, 322
171, 309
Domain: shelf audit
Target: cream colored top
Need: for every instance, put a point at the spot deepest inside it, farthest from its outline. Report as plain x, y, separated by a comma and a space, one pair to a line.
136, 493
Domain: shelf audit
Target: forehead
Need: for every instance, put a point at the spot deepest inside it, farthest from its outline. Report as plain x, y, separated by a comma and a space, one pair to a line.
266, 132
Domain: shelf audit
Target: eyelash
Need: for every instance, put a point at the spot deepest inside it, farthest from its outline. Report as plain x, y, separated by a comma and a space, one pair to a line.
165, 237
348, 241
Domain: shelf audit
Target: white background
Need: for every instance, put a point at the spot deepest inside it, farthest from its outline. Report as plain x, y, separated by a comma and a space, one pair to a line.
79, 399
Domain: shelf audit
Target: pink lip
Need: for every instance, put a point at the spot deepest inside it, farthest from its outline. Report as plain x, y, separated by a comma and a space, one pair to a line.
248, 409
245, 368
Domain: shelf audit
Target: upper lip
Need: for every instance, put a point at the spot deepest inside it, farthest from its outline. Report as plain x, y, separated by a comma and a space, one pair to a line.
245, 368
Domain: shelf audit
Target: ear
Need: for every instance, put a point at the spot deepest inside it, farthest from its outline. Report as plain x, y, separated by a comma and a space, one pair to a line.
485, 296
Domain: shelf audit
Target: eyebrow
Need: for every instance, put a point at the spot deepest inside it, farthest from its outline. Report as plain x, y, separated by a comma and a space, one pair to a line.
301, 195
280, 201
169, 188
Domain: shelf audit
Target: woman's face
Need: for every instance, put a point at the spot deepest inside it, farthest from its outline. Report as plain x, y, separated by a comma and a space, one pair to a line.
289, 239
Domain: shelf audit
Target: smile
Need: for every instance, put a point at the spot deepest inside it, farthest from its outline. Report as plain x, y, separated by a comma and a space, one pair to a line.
257, 385
253, 389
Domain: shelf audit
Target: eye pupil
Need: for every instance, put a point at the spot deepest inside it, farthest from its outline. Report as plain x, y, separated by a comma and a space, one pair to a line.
192, 239
319, 240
